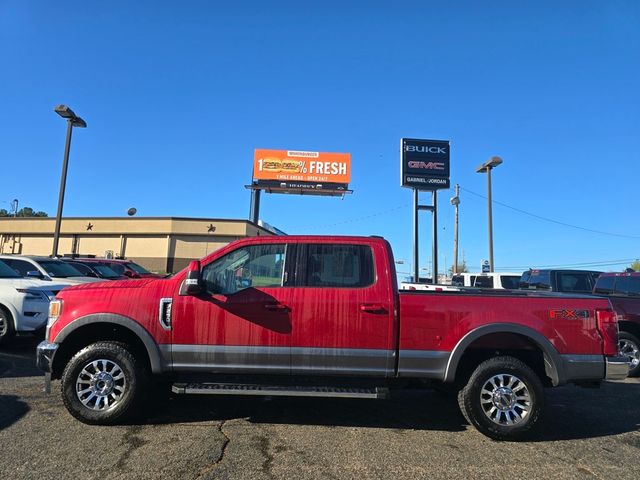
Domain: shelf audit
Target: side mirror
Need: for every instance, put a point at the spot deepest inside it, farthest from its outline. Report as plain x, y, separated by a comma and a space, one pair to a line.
129, 274
34, 274
192, 284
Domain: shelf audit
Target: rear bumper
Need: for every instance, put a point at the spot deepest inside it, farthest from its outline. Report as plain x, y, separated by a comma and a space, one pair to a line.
617, 368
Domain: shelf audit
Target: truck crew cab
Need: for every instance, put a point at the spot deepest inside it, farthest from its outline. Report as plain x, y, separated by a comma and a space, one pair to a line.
321, 316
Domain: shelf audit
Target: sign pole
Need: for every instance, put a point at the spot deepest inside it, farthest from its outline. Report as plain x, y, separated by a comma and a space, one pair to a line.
434, 259
254, 213
416, 208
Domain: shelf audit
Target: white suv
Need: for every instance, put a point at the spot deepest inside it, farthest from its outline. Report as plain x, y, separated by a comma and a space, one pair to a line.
24, 302
45, 268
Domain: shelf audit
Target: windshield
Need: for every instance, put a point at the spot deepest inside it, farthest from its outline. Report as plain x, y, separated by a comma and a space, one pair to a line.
58, 269
6, 271
137, 268
104, 271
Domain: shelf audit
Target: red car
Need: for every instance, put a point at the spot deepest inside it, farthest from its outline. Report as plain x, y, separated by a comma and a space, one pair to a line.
322, 316
125, 268
623, 291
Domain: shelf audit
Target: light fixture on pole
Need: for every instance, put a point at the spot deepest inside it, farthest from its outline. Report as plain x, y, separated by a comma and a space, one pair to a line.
486, 167
72, 121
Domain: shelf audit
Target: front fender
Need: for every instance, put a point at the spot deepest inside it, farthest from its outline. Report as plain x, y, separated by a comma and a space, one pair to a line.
153, 351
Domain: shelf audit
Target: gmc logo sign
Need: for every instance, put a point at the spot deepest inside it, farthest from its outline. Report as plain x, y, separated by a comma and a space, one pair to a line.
424, 149
426, 165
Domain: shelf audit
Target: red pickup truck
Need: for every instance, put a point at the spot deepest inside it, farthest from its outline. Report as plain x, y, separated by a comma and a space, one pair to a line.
321, 316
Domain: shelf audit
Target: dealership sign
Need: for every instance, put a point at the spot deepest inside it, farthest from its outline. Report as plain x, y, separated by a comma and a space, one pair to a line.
291, 171
424, 164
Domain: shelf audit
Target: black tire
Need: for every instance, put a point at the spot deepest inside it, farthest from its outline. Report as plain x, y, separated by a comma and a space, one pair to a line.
7, 330
117, 376
510, 416
630, 347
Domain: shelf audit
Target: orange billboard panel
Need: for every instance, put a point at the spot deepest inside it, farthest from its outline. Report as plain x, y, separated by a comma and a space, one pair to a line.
299, 166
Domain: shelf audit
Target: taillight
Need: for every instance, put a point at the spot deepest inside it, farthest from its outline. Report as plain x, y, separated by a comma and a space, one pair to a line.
608, 326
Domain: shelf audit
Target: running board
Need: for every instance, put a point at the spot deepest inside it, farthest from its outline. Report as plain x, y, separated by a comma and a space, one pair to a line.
275, 390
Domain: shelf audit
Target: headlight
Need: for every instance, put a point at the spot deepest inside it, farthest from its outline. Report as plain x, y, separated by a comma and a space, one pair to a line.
55, 309
31, 294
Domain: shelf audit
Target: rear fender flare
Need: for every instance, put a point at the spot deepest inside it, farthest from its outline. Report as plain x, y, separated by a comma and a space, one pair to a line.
552, 362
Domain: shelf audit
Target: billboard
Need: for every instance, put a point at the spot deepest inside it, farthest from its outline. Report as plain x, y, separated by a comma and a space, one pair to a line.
302, 172
424, 164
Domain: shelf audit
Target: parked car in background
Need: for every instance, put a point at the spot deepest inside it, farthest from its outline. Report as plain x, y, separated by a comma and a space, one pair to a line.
573, 281
499, 280
428, 286
24, 302
45, 268
623, 290
94, 269
126, 268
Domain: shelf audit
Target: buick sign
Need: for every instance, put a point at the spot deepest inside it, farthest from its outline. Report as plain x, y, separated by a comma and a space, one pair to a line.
424, 164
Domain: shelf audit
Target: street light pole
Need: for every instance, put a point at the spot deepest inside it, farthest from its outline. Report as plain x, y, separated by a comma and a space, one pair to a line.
72, 121
486, 167
455, 201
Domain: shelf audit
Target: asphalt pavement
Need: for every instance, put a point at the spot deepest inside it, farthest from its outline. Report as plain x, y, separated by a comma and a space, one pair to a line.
588, 433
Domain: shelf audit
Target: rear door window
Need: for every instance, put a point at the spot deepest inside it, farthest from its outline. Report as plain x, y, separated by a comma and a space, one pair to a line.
574, 282
338, 266
510, 282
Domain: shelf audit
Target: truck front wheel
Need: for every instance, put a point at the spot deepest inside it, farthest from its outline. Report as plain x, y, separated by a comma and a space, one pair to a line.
503, 398
102, 383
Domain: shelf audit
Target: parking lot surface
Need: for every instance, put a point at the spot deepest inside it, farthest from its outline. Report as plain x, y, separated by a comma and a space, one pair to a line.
588, 433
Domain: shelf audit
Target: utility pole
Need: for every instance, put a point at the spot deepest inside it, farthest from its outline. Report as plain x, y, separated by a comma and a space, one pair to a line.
455, 201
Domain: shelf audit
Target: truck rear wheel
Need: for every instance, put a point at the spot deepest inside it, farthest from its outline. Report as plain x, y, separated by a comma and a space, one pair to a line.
503, 398
102, 383
629, 347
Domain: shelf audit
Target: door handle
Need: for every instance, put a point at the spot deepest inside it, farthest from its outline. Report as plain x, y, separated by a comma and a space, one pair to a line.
372, 308
276, 307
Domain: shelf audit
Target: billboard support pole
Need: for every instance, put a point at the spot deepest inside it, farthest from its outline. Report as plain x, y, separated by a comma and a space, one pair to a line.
416, 208
254, 212
434, 254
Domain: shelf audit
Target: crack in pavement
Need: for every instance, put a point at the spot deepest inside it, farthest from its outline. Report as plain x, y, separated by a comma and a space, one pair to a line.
225, 443
132, 442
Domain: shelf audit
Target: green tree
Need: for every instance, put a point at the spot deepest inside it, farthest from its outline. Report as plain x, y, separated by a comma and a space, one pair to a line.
23, 212
635, 265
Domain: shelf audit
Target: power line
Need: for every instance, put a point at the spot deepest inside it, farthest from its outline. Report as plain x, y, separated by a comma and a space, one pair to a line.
550, 220
598, 263
357, 219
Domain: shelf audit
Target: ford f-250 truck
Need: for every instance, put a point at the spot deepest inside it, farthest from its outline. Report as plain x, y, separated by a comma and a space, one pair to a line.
321, 316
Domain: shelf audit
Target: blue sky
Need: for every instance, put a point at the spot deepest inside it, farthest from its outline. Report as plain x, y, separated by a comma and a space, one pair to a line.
177, 95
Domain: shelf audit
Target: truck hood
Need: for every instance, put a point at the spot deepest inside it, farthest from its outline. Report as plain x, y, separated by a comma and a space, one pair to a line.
111, 285
32, 284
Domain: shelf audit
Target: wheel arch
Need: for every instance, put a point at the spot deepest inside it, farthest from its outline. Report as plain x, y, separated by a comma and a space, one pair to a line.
104, 327
553, 365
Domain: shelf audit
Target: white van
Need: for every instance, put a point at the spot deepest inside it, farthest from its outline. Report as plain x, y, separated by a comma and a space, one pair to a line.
500, 280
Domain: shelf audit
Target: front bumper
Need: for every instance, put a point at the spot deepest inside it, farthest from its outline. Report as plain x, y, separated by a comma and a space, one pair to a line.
44, 355
617, 368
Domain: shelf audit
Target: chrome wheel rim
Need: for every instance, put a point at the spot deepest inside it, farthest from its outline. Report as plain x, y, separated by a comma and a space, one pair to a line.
101, 385
4, 326
505, 400
630, 350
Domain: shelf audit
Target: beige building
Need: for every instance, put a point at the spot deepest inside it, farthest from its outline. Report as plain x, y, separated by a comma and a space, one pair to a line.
161, 244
